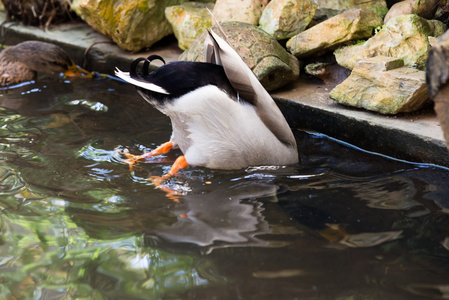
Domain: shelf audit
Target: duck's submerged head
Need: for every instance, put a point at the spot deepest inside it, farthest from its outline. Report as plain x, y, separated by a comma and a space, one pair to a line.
39, 56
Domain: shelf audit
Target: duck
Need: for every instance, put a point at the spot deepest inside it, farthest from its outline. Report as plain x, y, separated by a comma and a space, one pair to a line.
23, 61
221, 115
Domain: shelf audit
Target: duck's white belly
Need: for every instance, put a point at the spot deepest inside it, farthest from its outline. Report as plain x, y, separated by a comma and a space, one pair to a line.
216, 132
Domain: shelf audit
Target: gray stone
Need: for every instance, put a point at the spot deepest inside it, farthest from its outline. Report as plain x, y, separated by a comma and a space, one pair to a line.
133, 25
404, 37
189, 20
285, 18
353, 24
383, 85
437, 70
377, 6
425, 9
248, 11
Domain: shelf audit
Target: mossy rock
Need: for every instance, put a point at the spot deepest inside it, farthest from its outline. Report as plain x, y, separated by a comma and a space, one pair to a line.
270, 62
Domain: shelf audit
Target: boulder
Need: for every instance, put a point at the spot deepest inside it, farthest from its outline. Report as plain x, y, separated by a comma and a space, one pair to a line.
189, 20
442, 110
133, 25
437, 27
285, 18
248, 11
405, 37
270, 62
425, 9
384, 85
353, 24
317, 69
377, 6
437, 76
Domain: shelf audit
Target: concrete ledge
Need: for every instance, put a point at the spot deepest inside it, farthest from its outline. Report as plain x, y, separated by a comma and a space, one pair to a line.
415, 137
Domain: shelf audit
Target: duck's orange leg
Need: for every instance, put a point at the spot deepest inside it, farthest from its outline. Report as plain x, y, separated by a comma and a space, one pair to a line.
180, 163
162, 149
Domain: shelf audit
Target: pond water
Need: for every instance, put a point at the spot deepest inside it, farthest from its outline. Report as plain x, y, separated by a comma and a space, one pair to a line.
76, 223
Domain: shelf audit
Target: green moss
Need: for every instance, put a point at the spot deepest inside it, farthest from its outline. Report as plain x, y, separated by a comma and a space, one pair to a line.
378, 29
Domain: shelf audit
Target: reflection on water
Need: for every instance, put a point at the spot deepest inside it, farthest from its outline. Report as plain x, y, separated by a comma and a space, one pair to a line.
75, 222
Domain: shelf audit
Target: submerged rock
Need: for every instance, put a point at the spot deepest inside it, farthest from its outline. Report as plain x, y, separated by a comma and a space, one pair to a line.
133, 25
285, 18
353, 24
384, 85
189, 20
248, 11
405, 37
270, 62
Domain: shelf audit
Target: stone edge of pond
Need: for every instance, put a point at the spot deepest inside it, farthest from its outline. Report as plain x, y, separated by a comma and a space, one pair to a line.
414, 137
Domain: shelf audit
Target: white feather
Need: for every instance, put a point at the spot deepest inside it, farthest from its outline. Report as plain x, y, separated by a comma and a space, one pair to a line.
214, 131
248, 86
143, 84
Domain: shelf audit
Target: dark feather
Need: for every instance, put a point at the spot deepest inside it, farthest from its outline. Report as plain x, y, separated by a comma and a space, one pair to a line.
181, 77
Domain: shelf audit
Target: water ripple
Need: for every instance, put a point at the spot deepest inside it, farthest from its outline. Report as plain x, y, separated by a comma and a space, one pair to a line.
10, 181
100, 155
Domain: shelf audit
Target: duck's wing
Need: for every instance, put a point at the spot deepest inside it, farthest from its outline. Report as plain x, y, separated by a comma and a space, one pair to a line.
246, 84
175, 79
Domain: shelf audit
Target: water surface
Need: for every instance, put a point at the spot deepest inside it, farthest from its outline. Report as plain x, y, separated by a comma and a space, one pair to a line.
76, 223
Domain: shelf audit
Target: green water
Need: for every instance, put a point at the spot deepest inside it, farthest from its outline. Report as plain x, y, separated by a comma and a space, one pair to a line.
76, 223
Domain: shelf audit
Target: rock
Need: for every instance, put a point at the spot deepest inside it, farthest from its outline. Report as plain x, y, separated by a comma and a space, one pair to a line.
285, 18
270, 62
384, 85
133, 25
437, 76
432, 41
437, 27
442, 110
404, 37
437, 67
353, 24
377, 6
425, 9
189, 20
317, 69
248, 11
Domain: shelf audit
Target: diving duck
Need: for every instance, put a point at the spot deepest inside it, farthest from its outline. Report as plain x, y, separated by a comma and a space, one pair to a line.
21, 62
222, 117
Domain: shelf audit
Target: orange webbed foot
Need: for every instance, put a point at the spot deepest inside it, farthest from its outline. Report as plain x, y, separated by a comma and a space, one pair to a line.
132, 159
158, 181
180, 163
